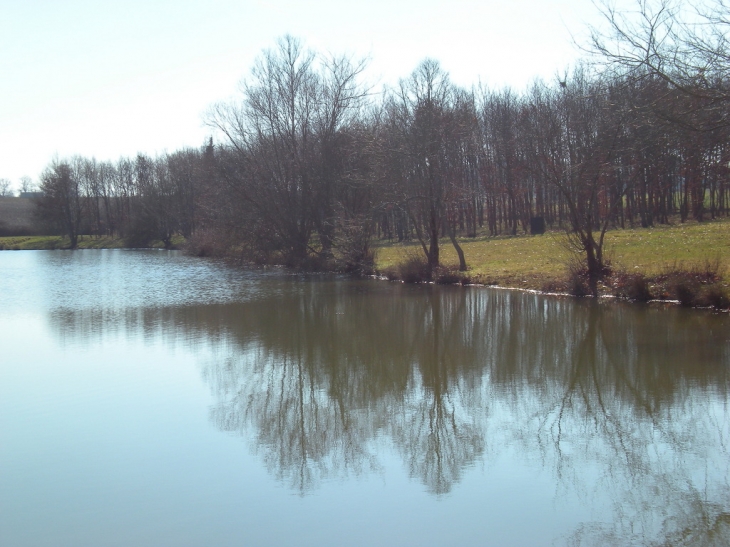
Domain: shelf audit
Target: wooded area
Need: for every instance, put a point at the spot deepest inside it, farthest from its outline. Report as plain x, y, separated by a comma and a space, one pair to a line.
309, 166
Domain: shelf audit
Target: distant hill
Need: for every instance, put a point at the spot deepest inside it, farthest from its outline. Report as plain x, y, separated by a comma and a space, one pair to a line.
16, 216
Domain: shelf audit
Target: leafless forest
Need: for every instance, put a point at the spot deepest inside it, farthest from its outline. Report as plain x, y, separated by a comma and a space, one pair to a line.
308, 166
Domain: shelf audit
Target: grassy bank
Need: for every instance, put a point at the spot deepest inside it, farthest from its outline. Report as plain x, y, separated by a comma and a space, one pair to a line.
696, 252
20, 243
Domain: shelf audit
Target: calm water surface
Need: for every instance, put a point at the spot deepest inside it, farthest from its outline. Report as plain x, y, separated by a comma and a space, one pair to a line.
151, 399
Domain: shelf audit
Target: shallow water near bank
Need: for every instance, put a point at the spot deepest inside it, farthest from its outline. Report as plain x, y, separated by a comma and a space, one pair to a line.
149, 398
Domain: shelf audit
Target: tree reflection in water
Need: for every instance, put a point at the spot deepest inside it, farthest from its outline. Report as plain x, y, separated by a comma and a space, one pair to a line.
628, 398
321, 388
433, 425
318, 373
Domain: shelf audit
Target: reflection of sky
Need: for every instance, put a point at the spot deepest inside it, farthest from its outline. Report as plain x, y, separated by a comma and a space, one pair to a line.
81, 280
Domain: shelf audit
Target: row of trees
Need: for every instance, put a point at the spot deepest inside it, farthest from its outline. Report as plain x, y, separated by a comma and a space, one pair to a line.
141, 199
6, 186
311, 165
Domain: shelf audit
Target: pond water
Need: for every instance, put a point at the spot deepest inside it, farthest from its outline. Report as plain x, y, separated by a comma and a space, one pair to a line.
152, 399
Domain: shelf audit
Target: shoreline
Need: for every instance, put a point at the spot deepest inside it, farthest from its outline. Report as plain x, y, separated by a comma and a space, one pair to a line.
601, 297
678, 273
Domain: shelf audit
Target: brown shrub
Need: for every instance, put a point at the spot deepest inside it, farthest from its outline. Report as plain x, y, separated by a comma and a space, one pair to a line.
206, 243
415, 269
716, 297
578, 284
451, 276
689, 285
634, 286
684, 292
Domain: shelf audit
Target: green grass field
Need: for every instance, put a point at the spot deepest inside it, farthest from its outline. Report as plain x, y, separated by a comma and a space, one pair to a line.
19, 243
533, 261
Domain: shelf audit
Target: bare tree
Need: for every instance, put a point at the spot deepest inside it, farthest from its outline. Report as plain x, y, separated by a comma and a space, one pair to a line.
285, 136
581, 128
62, 203
502, 144
26, 184
687, 48
429, 119
5, 188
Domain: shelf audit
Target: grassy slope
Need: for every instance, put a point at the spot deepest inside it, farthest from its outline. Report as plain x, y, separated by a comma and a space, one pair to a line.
532, 261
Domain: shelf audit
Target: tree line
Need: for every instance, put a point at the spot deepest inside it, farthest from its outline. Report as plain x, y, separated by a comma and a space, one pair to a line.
310, 166
141, 199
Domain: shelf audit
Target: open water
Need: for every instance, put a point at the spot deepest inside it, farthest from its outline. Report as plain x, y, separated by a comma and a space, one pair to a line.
152, 399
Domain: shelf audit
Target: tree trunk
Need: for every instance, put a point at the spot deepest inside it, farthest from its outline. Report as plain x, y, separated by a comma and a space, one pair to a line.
433, 248
459, 250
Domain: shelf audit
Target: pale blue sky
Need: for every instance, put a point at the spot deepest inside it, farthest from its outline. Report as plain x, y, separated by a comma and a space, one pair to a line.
110, 78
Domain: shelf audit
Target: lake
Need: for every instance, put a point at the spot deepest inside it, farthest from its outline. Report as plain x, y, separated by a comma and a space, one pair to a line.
148, 398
